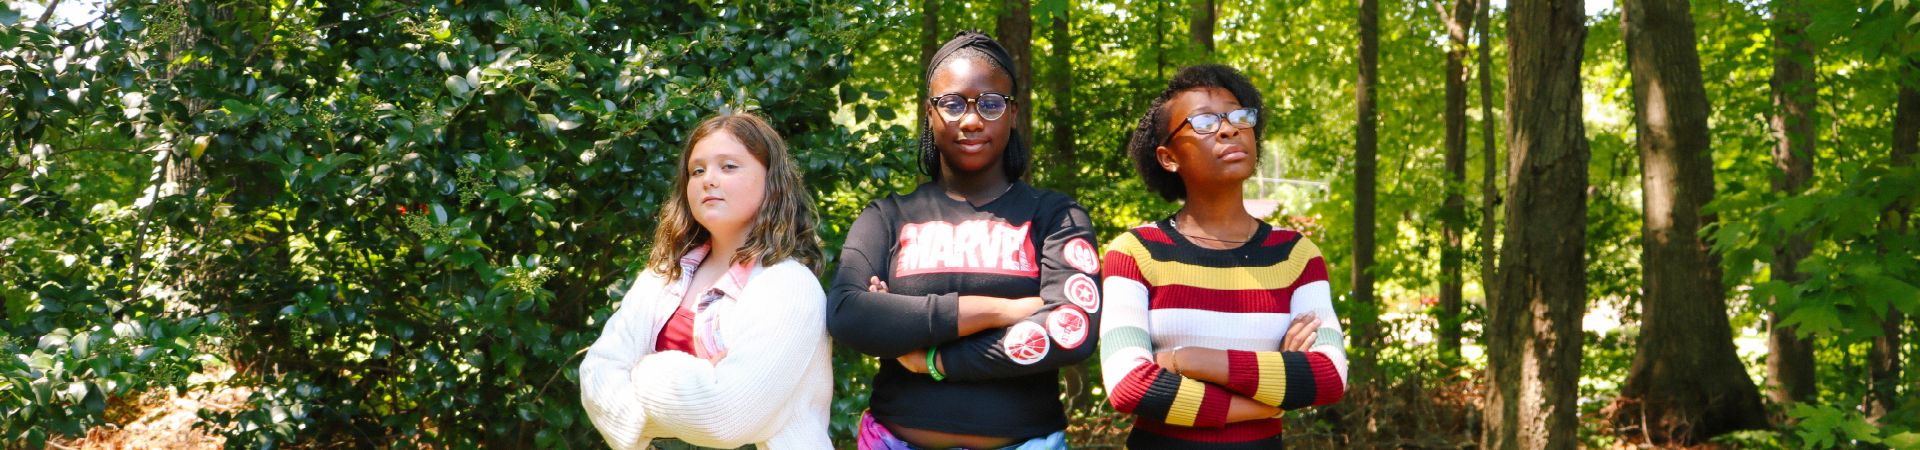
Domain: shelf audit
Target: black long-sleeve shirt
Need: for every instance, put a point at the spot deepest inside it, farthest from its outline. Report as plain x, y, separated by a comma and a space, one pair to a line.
931, 249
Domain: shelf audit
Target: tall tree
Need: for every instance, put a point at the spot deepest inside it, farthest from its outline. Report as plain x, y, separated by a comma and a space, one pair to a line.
1015, 32
1883, 356
930, 42
1790, 364
1200, 27
1060, 82
1533, 330
1686, 384
1453, 212
1366, 147
1490, 171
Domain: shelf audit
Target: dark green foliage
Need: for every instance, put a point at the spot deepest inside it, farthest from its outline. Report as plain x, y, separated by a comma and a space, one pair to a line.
403, 222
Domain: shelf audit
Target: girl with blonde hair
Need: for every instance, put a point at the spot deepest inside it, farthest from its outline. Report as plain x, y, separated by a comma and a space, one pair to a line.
722, 341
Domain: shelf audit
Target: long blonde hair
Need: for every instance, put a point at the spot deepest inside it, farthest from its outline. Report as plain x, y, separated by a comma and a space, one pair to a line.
782, 229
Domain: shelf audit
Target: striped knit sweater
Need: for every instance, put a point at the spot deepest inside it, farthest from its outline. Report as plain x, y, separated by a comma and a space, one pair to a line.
1163, 292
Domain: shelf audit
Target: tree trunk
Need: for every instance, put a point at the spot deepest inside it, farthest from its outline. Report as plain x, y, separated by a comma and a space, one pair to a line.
1062, 112
1533, 330
1790, 364
1200, 28
1687, 383
1453, 212
1015, 32
1490, 171
1365, 149
930, 42
1883, 357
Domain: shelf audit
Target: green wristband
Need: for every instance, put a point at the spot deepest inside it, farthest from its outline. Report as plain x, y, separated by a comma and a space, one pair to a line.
933, 367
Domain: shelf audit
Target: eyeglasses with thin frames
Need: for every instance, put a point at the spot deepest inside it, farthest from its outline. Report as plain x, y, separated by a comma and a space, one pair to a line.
1209, 123
990, 105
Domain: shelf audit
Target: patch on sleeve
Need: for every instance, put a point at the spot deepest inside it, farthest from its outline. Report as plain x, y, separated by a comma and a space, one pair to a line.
1068, 326
1082, 291
1081, 255
1026, 343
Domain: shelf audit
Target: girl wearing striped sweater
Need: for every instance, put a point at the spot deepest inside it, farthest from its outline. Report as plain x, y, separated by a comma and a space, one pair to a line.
1216, 321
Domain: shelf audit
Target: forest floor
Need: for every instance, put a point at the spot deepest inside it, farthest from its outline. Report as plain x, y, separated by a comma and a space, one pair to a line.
162, 420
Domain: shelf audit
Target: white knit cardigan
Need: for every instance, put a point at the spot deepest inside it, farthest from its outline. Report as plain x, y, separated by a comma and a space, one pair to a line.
773, 389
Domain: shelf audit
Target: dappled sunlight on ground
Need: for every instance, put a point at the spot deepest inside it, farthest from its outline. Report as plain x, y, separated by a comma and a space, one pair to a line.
163, 420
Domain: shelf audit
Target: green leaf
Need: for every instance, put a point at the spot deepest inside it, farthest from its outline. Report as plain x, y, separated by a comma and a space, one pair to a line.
435, 249
549, 124
1858, 429
458, 86
1903, 441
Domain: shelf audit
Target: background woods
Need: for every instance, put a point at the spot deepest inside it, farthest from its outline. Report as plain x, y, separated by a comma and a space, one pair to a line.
397, 224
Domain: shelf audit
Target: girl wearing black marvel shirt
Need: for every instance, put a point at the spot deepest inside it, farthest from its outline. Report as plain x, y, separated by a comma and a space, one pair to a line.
975, 288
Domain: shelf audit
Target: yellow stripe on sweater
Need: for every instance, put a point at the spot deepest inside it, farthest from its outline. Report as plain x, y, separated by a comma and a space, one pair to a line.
1277, 276
1273, 378
1186, 404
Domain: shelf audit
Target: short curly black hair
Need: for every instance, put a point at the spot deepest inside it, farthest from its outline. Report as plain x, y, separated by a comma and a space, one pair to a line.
1153, 126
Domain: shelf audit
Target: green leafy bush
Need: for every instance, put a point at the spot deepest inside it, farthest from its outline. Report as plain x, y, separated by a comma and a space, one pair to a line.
401, 223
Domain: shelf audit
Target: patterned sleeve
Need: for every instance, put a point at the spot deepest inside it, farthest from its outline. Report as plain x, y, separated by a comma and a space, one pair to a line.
1135, 384
1293, 380
1060, 334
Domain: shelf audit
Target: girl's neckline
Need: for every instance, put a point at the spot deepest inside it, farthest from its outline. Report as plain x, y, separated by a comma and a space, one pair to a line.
1259, 236
945, 195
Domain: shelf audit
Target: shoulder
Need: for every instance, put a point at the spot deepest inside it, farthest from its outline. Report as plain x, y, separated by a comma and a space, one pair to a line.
1290, 241
1050, 200
892, 205
788, 278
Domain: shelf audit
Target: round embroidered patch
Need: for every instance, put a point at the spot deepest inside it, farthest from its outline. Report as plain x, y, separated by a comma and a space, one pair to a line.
1081, 256
1026, 343
1068, 326
1082, 291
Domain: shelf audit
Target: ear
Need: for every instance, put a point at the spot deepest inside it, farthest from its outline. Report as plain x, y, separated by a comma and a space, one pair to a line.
1165, 155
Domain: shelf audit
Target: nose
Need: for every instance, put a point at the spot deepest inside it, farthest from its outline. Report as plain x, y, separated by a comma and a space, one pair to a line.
1227, 130
971, 121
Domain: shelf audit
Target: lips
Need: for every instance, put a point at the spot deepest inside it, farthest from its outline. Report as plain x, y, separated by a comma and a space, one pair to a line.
1233, 153
710, 199
972, 145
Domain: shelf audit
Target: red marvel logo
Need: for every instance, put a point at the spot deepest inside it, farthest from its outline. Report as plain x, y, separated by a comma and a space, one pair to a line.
1081, 256
974, 246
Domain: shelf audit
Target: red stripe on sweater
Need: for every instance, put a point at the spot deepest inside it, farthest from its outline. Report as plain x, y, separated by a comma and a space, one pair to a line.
1153, 233
1326, 379
1243, 372
1127, 393
1213, 407
1233, 432
1121, 264
1220, 300
1279, 236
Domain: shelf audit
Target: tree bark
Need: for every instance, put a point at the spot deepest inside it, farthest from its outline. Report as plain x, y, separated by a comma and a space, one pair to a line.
1159, 42
1490, 171
1533, 330
1687, 383
930, 42
1015, 32
1365, 149
1453, 212
1883, 356
1790, 364
1200, 28
1062, 113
